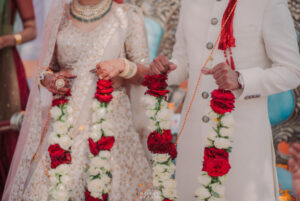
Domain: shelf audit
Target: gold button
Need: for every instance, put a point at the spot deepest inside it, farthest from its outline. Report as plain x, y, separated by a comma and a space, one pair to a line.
205, 95
205, 119
214, 21
209, 45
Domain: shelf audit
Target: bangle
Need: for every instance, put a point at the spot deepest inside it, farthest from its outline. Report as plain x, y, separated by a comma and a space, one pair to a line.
126, 68
130, 69
18, 38
43, 75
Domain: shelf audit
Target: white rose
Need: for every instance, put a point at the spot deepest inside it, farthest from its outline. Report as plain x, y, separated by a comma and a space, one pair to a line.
160, 168
170, 183
202, 193
161, 158
165, 125
150, 113
53, 177
204, 179
222, 179
95, 135
98, 162
70, 120
55, 112
171, 168
156, 182
208, 143
96, 128
164, 176
93, 171
169, 193
65, 142
220, 189
96, 194
216, 199
164, 115
101, 113
104, 154
95, 185
157, 196
61, 127
212, 135
62, 169
105, 179
152, 125
150, 101
66, 180
228, 120
227, 132
222, 143
53, 138
69, 110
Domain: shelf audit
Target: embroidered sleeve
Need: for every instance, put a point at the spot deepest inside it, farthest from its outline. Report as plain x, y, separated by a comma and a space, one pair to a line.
136, 45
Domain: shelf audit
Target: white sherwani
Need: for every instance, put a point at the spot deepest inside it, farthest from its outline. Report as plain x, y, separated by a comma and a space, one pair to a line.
267, 56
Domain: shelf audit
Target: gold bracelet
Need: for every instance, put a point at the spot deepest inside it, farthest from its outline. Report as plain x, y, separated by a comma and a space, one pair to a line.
18, 38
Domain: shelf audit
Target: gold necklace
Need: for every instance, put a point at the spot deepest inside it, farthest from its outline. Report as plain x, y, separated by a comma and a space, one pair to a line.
90, 13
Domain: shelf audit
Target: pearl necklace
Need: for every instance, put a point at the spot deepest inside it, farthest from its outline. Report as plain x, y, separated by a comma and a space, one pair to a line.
90, 13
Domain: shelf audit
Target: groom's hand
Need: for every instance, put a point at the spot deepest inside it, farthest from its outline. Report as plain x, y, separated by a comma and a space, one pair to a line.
226, 78
160, 65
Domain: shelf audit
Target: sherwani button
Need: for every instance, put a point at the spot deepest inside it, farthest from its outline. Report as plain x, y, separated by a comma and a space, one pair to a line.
205, 95
214, 21
209, 45
205, 119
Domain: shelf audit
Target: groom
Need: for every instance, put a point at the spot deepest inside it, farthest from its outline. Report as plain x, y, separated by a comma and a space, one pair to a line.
257, 56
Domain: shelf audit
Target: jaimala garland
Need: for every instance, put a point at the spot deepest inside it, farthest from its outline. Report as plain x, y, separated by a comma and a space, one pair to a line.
217, 148
160, 139
101, 140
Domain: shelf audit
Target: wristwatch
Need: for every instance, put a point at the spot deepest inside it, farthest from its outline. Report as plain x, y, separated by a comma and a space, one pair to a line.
241, 80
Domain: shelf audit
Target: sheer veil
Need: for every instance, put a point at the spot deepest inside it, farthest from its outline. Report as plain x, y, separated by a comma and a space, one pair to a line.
36, 111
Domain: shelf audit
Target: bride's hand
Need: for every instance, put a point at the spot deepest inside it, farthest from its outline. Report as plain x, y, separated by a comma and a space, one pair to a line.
50, 81
161, 64
110, 69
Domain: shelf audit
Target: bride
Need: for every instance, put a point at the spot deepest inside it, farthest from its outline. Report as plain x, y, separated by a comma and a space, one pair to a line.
80, 36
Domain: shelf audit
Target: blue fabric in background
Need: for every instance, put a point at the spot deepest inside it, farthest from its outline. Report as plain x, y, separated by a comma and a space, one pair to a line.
280, 107
154, 35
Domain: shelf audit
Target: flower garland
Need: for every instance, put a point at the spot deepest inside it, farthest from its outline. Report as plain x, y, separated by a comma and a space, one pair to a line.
101, 140
60, 149
160, 140
218, 146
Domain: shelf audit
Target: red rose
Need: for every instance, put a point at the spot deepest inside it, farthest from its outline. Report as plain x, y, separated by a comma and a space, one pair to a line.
104, 83
167, 199
216, 162
93, 147
88, 197
105, 143
58, 156
157, 93
213, 152
105, 90
105, 98
172, 151
157, 85
119, 1
161, 143
222, 101
216, 167
59, 101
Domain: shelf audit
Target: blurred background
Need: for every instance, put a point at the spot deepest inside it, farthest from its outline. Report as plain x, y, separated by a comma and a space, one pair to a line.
161, 21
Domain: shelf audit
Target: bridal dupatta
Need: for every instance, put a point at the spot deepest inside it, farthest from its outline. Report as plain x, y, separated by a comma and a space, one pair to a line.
35, 120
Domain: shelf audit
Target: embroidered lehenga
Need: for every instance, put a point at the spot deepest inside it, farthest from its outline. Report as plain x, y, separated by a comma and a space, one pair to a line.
120, 34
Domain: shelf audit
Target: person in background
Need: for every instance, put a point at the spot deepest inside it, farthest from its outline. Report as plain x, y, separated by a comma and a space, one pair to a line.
294, 165
14, 89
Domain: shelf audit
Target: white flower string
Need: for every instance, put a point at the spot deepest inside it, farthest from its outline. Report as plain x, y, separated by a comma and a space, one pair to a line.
160, 140
59, 150
101, 140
